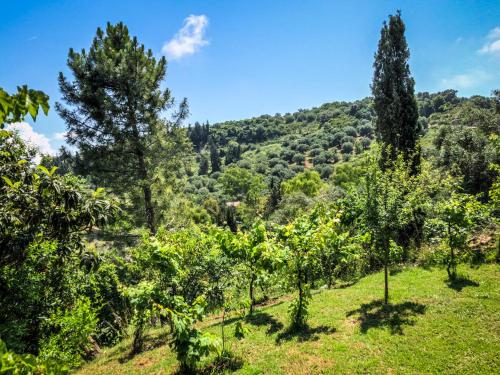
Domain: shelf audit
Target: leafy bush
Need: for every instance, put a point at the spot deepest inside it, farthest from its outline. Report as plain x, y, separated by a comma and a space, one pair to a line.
365, 130
307, 182
12, 363
347, 148
350, 131
188, 342
70, 339
337, 138
298, 158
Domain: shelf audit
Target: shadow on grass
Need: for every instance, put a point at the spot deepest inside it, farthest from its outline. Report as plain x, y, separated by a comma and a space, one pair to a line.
304, 334
150, 343
393, 271
461, 282
265, 319
376, 315
345, 284
226, 362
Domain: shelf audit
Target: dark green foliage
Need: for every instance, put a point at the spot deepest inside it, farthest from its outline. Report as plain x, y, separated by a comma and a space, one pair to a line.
214, 156
113, 118
349, 130
365, 130
275, 196
467, 148
298, 158
233, 152
347, 148
393, 92
199, 134
204, 165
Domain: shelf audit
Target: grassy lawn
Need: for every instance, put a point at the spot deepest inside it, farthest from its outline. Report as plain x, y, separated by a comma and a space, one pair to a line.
430, 327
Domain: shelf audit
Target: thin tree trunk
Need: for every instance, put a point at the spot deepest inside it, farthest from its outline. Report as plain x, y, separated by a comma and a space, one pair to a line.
222, 329
386, 275
142, 171
252, 299
451, 265
143, 175
298, 318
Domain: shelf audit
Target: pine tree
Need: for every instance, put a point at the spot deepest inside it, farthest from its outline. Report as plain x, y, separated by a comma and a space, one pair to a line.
113, 118
394, 99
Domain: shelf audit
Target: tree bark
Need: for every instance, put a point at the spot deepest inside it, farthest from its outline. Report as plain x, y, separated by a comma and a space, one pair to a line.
143, 175
386, 275
451, 265
298, 319
252, 299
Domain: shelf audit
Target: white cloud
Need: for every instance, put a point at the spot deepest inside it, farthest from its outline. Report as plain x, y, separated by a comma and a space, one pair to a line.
38, 140
189, 39
493, 46
60, 136
494, 33
465, 81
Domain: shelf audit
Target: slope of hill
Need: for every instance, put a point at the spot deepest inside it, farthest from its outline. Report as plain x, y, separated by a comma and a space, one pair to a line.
431, 326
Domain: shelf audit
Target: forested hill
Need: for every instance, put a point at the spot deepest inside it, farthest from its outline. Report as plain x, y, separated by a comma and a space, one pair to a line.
277, 147
317, 137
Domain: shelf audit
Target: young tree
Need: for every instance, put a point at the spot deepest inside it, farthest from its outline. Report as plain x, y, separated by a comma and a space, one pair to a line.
301, 257
383, 209
393, 91
113, 118
255, 253
458, 212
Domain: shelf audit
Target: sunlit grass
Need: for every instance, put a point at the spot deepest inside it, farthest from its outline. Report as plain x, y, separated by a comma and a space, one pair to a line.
431, 326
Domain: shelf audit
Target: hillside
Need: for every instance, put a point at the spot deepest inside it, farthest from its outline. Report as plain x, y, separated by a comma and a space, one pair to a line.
431, 327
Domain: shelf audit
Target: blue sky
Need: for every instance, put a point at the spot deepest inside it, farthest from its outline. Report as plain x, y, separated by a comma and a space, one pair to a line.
237, 59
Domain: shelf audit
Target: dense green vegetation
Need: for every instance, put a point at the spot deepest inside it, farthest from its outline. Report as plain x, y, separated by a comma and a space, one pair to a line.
149, 226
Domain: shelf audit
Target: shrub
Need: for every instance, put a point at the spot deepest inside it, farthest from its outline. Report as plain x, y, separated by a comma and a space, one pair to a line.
347, 148
297, 168
365, 130
365, 142
325, 171
274, 161
337, 138
320, 159
12, 363
347, 139
302, 147
351, 131
315, 151
73, 328
298, 158
308, 182
287, 154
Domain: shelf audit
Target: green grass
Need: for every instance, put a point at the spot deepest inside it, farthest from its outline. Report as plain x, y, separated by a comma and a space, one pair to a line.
430, 327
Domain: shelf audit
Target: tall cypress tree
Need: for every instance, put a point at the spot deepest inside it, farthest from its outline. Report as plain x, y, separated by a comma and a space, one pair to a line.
393, 91
214, 156
113, 118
